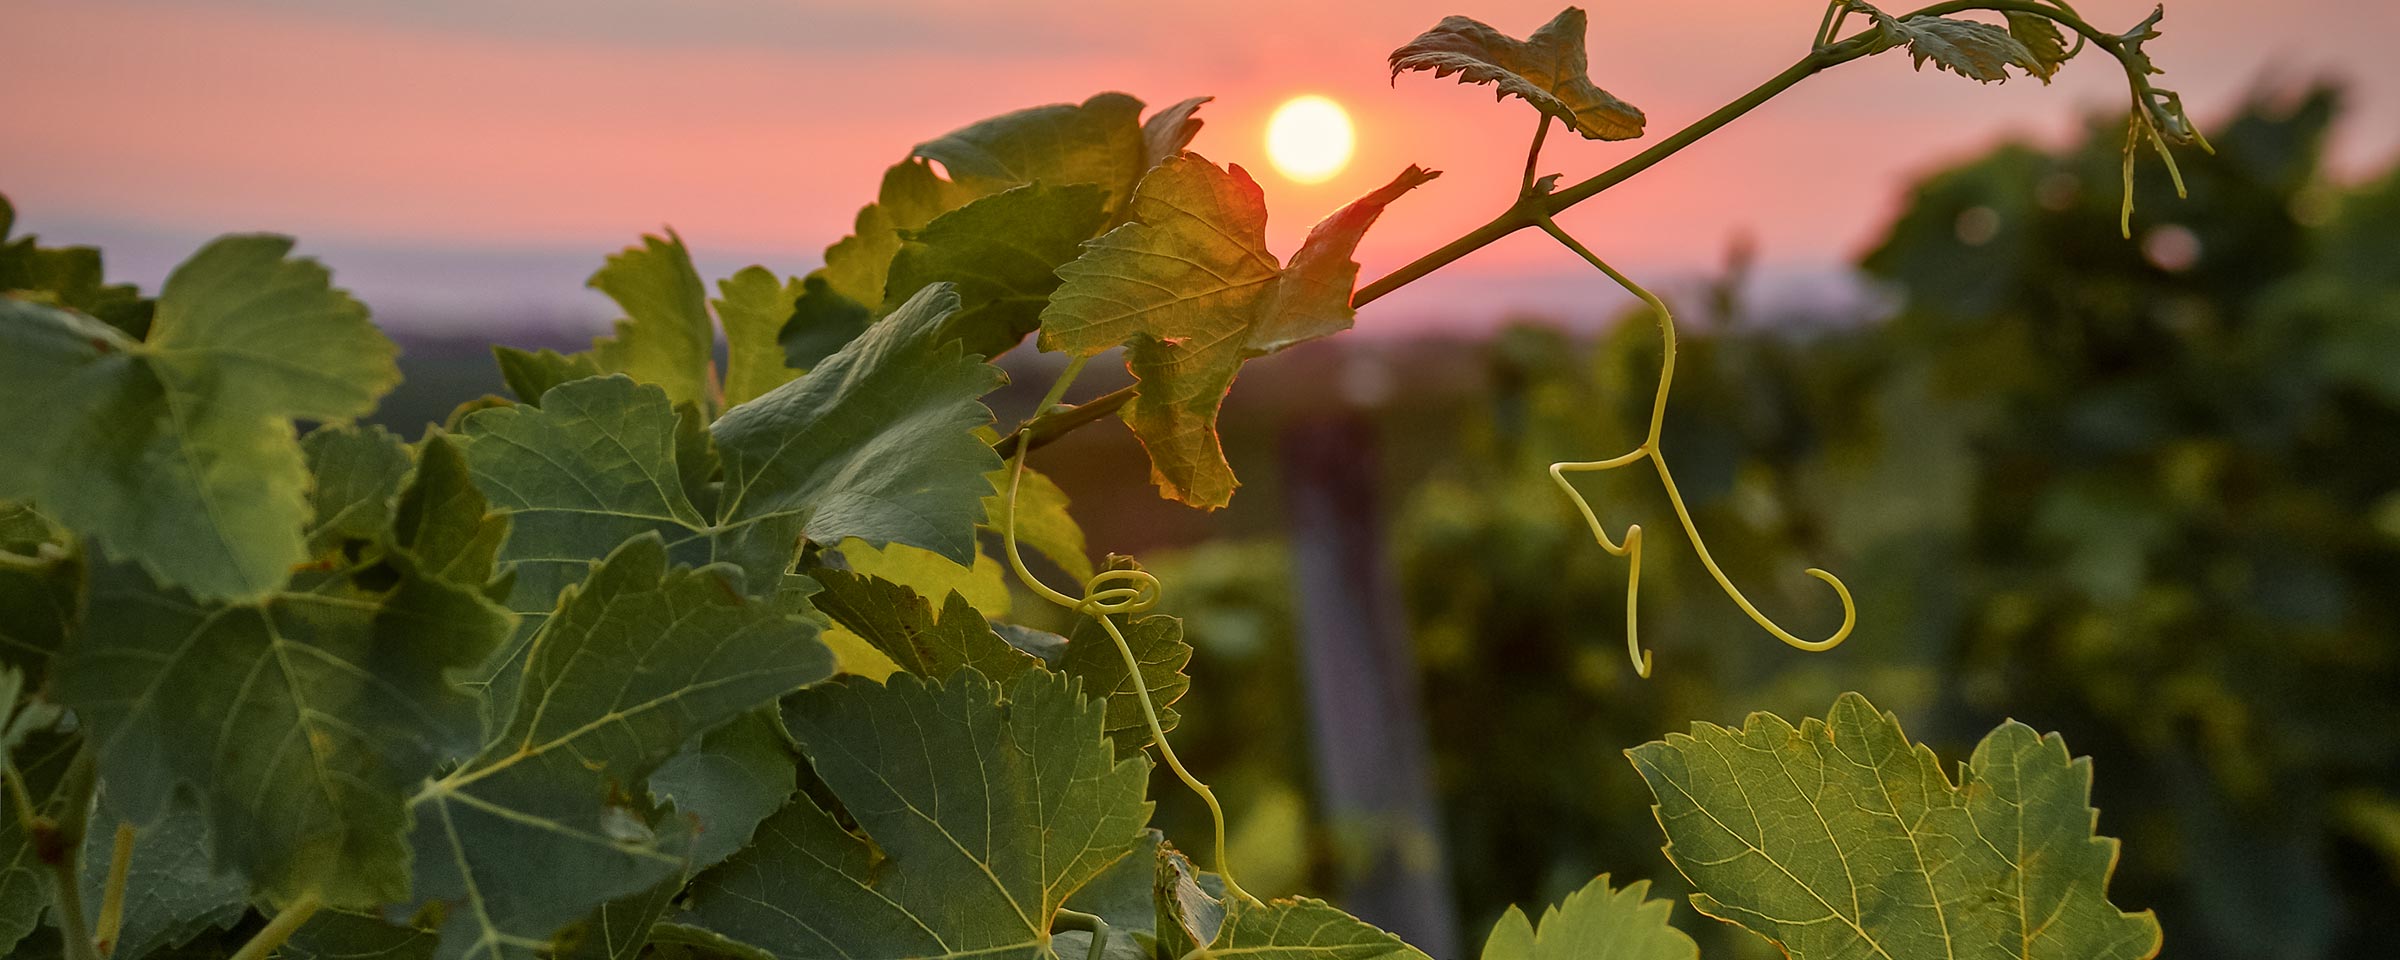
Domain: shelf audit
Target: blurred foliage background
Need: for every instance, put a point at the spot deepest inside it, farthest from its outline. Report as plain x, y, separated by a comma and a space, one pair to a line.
2145, 494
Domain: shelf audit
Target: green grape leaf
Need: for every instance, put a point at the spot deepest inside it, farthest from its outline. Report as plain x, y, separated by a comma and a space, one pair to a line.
69, 277
549, 821
822, 322
1097, 142
984, 584
334, 935
877, 443
1841, 838
529, 375
1190, 289
666, 337
358, 473
981, 816
1193, 910
178, 452
1594, 922
445, 521
1979, 51
730, 780
300, 722
1158, 647
755, 307
2042, 39
41, 597
1002, 252
172, 892
1042, 521
1547, 69
899, 623
41, 760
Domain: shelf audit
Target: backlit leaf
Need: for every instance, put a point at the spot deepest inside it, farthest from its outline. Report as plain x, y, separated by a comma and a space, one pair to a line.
1190, 289
1158, 647
1594, 923
1980, 51
980, 818
1841, 838
1042, 522
898, 622
2041, 38
1547, 70
550, 821
1096, 142
666, 337
1002, 252
754, 306
1192, 913
178, 452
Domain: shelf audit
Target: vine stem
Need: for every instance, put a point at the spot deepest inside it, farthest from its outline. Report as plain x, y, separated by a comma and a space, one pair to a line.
279, 929
1104, 596
1631, 546
112, 897
64, 843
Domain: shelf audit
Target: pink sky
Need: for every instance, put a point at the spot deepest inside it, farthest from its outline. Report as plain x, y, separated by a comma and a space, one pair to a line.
451, 158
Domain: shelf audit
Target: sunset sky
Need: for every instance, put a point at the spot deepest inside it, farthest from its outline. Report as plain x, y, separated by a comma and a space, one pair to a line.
458, 161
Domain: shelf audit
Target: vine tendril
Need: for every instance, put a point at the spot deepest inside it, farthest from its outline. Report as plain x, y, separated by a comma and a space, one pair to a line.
1631, 546
1107, 594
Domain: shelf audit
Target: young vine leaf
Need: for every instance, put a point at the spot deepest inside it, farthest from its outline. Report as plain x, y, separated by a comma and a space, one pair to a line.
2163, 107
984, 806
1195, 918
178, 452
1191, 291
754, 305
1547, 69
68, 277
878, 443
1842, 838
1020, 186
300, 723
1979, 51
552, 816
2042, 39
666, 337
1594, 922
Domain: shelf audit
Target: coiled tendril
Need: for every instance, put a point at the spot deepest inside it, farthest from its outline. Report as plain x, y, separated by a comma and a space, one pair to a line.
1631, 546
1107, 594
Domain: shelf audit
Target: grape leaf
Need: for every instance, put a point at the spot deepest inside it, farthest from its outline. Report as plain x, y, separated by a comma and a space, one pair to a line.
41, 760
984, 584
1191, 290
172, 892
728, 781
548, 823
1003, 252
666, 337
1842, 838
2165, 107
1193, 910
300, 722
1042, 521
69, 277
1595, 922
1980, 51
2041, 38
178, 452
877, 443
982, 816
40, 598
822, 322
1095, 143
898, 622
446, 522
754, 307
1158, 647
358, 472
1547, 69
529, 375
334, 935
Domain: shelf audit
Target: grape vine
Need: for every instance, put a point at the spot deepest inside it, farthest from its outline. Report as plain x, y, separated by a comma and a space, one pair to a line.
661, 661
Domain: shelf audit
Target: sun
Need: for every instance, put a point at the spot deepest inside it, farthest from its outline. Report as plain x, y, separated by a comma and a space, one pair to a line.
1309, 139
